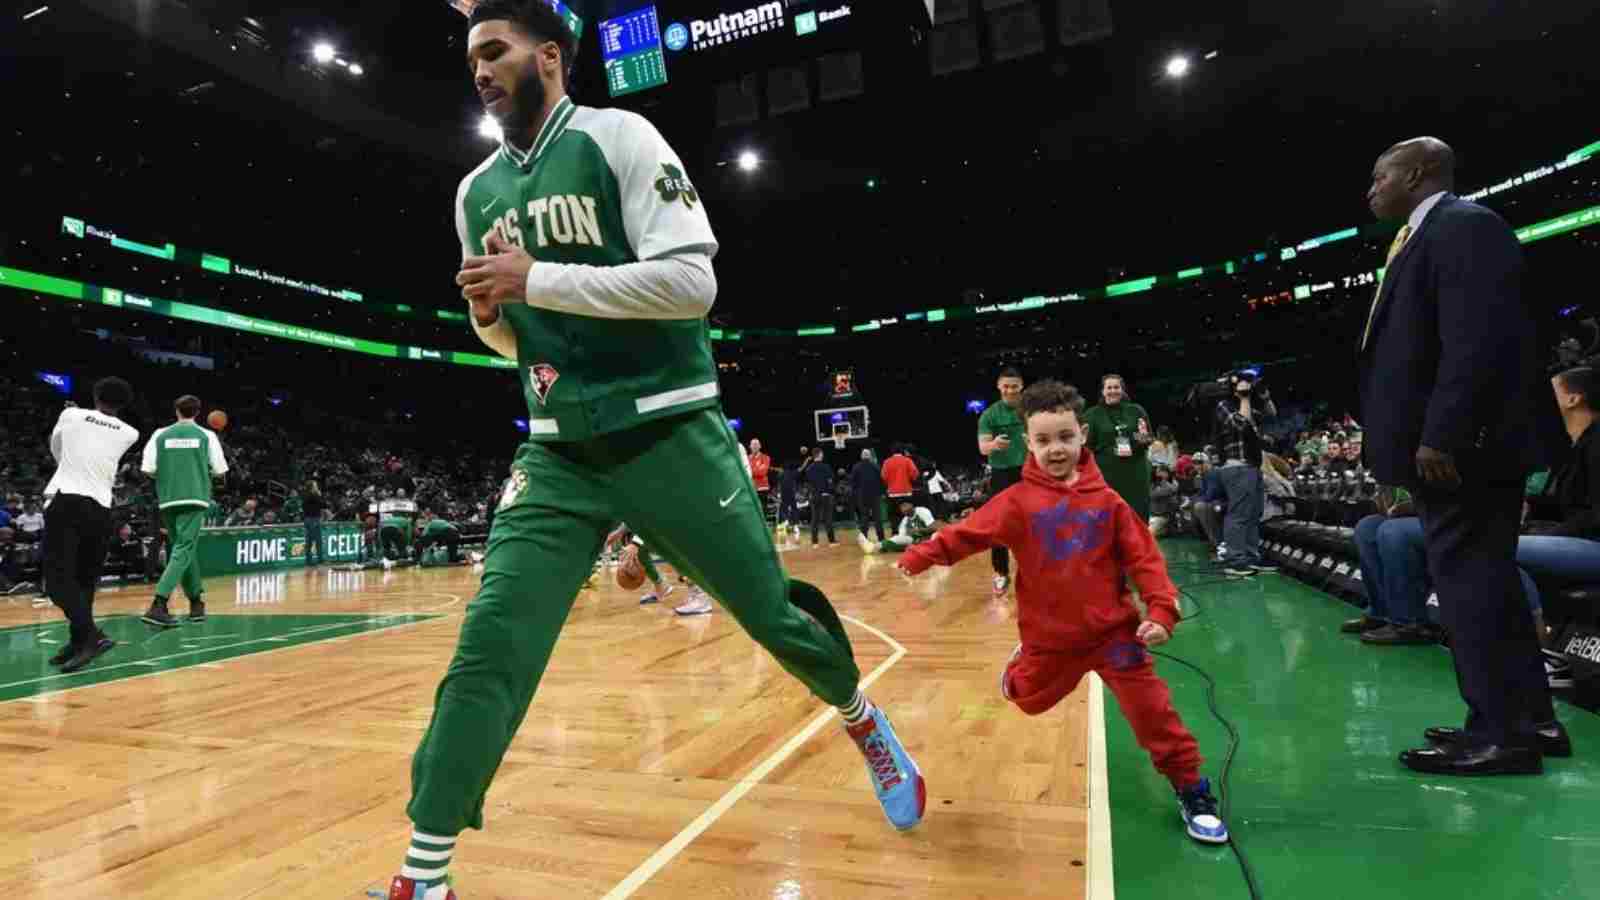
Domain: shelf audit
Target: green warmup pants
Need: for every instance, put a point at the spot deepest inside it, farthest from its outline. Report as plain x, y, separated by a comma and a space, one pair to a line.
183, 557
649, 567
680, 484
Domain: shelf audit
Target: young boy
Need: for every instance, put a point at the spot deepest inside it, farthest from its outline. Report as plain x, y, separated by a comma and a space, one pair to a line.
1075, 540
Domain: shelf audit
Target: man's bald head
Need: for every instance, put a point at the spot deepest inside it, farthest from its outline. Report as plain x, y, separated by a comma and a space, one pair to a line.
1408, 173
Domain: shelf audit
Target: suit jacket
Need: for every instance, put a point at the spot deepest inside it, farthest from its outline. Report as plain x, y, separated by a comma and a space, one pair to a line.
1452, 358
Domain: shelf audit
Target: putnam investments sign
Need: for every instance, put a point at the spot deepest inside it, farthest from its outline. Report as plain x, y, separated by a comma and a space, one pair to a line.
700, 34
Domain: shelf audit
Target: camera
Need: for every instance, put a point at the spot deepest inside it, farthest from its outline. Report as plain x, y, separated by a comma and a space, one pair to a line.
1209, 393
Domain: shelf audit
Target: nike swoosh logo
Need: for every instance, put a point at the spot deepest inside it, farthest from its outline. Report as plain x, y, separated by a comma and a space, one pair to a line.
485, 210
730, 497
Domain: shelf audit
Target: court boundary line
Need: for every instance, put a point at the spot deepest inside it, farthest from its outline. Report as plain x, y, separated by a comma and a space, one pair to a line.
670, 850
1099, 879
81, 687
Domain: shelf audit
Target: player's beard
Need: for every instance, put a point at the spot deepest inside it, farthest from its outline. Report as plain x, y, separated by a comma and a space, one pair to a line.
528, 107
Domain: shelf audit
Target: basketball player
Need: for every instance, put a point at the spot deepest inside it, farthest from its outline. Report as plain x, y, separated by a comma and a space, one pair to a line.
183, 458
1002, 438
87, 447
760, 471
587, 259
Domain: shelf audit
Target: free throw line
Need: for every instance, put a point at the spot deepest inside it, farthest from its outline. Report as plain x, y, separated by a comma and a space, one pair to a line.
682, 839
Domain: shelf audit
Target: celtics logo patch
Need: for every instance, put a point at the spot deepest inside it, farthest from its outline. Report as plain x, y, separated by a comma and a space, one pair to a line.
542, 377
674, 185
515, 486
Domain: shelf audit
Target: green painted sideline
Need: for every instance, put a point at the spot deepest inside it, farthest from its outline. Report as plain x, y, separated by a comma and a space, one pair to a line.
1320, 803
25, 650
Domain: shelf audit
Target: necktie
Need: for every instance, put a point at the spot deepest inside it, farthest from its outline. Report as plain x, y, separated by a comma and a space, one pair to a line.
1394, 250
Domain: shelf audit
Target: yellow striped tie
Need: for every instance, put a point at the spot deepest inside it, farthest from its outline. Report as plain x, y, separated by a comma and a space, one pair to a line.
1394, 250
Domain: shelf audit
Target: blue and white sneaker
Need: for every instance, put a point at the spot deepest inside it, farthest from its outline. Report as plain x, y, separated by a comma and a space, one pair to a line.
1199, 810
895, 777
655, 596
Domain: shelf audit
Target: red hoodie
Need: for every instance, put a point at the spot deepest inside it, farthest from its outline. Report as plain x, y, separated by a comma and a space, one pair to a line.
1073, 544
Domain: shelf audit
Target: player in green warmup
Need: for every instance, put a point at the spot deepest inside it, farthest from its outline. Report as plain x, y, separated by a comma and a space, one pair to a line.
183, 457
433, 531
587, 260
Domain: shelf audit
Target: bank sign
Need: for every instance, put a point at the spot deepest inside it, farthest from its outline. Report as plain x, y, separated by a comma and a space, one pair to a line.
703, 34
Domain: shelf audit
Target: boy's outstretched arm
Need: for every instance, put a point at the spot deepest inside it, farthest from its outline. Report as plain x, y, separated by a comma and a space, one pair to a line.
1142, 561
995, 523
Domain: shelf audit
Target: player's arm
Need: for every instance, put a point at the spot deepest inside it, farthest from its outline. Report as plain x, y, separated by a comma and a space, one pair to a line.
491, 327
147, 464
57, 432
219, 462
1141, 559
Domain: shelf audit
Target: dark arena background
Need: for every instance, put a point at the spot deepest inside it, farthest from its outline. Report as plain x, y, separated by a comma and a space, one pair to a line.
254, 203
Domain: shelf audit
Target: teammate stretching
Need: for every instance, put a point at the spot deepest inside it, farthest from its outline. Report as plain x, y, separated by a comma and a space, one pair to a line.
606, 321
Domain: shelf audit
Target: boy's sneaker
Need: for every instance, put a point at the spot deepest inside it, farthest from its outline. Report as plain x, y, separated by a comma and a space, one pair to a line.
1005, 687
895, 777
699, 604
197, 612
158, 615
1199, 810
406, 889
1001, 582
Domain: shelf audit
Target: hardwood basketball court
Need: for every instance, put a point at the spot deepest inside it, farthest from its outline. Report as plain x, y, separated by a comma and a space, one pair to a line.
266, 753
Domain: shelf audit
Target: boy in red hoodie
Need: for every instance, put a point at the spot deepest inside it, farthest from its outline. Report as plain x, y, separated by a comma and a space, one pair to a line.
1075, 540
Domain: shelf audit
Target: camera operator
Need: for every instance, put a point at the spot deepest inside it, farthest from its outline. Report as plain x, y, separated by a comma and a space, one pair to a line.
1238, 420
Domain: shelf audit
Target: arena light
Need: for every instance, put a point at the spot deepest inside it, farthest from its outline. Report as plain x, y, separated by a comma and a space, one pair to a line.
323, 52
356, 70
1178, 66
490, 128
38, 12
749, 161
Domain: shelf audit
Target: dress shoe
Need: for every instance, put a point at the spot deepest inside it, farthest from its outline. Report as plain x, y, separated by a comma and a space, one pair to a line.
1488, 759
64, 654
1361, 625
1393, 635
88, 653
1553, 739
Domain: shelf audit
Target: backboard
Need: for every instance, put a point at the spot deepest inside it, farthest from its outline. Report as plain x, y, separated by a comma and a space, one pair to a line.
852, 421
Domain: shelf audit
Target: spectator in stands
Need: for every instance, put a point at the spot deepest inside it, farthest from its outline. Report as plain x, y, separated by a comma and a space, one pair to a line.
244, 516
1210, 503
270, 517
1563, 543
820, 477
1163, 500
127, 552
1333, 459
1277, 479
867, 485
1239, 419
1394, 571
30, 525
1164, 450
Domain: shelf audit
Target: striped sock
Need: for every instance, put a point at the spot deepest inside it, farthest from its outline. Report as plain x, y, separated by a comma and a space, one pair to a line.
856, 711
428, 859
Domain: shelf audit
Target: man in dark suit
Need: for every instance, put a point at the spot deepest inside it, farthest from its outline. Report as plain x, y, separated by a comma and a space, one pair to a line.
1450, 394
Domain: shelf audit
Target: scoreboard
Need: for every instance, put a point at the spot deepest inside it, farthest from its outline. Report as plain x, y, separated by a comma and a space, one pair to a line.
630, 46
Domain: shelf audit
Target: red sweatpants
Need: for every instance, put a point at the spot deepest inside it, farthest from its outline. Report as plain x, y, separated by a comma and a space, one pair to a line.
1038, 680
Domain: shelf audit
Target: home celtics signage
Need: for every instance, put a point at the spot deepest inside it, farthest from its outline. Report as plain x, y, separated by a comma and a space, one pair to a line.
229, 551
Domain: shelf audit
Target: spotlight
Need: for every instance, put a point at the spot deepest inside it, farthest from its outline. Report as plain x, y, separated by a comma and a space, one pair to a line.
749, 161
356, 70
1177, 67
489, 128
323, 52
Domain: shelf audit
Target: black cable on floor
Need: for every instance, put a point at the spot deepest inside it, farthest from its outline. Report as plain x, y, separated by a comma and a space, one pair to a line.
1227, 765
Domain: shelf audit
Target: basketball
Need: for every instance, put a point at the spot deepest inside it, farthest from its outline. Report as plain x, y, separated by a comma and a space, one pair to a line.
218, 420
630, 574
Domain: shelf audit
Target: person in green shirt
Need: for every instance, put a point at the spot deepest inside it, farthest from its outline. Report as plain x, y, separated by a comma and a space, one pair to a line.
1120, 437
586, 261
183, 458
1002, 438
433, 530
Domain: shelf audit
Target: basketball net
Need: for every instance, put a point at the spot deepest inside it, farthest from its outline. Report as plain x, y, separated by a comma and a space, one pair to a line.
838, 442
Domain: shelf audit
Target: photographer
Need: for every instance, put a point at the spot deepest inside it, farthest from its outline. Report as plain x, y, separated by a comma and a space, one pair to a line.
1238, 420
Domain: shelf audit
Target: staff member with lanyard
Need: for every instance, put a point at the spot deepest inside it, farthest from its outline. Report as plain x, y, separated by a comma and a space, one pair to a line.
1120, 438
87, 447
1003, 439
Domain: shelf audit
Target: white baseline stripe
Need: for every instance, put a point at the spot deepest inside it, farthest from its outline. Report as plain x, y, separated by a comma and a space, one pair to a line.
1100, 883
672, 848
